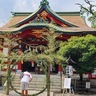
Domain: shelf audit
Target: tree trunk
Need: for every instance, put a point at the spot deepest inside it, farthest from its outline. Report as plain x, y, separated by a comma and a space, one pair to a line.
81, 77
81, 81
7, 80
48, 81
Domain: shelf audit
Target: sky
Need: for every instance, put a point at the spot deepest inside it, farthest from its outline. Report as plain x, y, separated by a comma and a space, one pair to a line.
8, 6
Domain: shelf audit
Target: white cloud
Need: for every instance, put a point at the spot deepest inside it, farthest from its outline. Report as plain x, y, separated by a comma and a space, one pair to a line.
1, 23
3, 17
21, 6
35, 4
26, 5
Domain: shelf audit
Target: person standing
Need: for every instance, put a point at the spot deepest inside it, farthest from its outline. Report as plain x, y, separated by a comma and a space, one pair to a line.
27, 77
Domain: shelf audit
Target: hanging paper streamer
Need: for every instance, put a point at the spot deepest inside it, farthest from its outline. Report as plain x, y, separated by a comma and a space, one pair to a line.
36, 50
29, 49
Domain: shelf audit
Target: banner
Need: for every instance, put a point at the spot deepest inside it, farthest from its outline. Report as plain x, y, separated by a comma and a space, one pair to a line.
67, 83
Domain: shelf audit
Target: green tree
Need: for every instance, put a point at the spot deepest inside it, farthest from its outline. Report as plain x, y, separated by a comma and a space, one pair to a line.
90, 10
82, 51
12, 57
48, 56
8, 57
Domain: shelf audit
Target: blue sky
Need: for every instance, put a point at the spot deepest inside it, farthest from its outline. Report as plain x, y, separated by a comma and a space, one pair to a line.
8, 6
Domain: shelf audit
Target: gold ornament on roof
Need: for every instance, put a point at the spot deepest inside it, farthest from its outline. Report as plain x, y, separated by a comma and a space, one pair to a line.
44, 15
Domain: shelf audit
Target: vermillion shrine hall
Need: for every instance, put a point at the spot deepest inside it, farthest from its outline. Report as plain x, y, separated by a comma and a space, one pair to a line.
28, 26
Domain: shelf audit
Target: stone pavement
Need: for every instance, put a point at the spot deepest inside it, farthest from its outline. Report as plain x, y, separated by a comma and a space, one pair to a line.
12, 93
60, 94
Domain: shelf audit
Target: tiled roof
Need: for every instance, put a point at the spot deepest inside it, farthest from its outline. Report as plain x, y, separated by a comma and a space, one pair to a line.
77, 20
70, 19
14, 20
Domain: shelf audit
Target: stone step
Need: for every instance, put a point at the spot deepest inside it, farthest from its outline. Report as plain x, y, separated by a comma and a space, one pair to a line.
39, 82
39, 89
38, 86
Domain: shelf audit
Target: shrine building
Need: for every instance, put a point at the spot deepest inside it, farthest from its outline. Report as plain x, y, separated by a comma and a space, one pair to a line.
29, 27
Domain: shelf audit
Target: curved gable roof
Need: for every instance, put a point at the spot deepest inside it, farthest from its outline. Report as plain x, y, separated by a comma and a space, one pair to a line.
44, 5
63, 17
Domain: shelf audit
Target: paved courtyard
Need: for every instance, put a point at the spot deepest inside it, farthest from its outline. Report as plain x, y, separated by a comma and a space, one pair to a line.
12, 93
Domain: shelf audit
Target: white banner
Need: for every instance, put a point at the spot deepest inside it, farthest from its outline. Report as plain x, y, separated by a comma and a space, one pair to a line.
67, 83
88, 85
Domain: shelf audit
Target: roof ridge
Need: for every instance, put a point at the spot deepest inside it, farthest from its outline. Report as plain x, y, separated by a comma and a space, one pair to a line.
44, 2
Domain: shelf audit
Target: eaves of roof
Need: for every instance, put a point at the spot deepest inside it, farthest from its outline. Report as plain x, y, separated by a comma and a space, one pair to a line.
62, 30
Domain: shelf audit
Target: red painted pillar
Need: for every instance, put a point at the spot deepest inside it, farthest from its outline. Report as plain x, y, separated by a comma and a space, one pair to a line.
89, 76
19, 69
19, 65
59, 69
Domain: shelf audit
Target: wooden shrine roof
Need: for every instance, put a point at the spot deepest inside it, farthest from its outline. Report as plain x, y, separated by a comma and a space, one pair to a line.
67, 22
74, 18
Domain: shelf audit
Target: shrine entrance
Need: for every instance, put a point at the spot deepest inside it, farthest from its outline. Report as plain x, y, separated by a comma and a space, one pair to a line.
28, 66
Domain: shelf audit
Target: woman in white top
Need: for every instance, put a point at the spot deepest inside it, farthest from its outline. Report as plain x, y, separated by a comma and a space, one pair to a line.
27, 77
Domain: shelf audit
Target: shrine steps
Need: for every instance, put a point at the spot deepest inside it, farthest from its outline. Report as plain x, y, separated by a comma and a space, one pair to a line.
39, 82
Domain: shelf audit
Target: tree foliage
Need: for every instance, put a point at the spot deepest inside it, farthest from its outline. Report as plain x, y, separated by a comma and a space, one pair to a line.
50, 56
90, 10
44, 59
82, 50
12, 58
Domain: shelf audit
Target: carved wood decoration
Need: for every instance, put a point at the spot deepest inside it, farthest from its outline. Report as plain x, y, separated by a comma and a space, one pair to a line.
44, 15
38, 33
